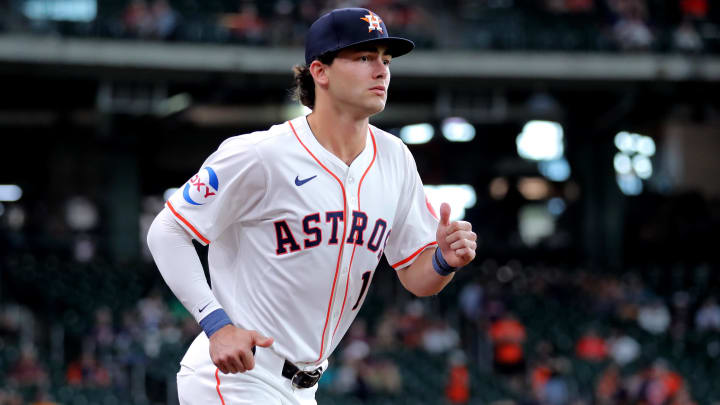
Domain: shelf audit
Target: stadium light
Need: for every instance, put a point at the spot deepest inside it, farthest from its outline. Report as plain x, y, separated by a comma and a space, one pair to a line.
632, 163
498, 188
555, 170
10, 192
642, 166
622, 163
629, 184
624, 142
417, 134
556, 206
535, 222
459, 196
534, 188
81, 214
645, 146
61, 10
456, 129
15, 217
540, 140
174, 104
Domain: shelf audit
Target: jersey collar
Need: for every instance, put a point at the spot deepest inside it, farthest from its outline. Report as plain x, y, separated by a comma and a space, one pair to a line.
361, 162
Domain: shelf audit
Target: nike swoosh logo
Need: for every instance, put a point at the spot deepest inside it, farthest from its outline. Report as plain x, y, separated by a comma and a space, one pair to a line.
299, 182
201, 309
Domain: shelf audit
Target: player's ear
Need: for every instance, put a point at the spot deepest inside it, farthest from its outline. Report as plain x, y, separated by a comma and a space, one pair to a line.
318, 70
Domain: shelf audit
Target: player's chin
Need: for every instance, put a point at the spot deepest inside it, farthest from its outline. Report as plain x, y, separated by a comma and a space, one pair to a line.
376, 106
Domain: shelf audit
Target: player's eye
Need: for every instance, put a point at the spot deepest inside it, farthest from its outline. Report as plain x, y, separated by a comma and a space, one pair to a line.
364, 58
386, 62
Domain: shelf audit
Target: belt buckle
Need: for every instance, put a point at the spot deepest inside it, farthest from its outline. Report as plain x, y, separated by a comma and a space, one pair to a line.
313, 375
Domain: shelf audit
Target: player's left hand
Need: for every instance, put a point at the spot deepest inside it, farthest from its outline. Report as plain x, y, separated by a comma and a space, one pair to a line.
456, 240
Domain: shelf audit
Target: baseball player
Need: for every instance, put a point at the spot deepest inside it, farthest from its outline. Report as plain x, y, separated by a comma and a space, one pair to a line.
297, 218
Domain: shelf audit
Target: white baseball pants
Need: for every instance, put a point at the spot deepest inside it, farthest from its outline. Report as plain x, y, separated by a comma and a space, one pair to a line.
201, 383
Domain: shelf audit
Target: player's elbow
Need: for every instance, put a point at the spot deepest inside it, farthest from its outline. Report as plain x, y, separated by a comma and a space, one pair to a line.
162, 226
416, 285
153, 235
420, 278
422, 292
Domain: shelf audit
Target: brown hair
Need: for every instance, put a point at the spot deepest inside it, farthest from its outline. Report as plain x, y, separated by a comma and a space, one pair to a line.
304, 87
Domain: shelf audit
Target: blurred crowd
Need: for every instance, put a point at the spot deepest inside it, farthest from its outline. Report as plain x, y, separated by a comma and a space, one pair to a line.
154, 20
127, 355
552, 337
631, 25
511, 330
532, 334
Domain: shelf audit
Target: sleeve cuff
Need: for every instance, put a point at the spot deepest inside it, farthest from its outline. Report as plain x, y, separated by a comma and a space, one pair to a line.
187, 225
440, 265
214, 321
408, 260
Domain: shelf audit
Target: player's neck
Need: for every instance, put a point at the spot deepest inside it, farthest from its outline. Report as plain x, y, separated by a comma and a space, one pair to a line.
341, 134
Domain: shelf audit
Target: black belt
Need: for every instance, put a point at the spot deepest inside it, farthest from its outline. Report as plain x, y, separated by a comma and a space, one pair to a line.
299, 378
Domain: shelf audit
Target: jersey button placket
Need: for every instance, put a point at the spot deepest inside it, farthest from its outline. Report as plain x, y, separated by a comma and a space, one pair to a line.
347, 254
351, 191
352, 204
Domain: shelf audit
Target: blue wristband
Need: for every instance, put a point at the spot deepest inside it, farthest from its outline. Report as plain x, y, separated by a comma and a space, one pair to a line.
214, 321
440, 265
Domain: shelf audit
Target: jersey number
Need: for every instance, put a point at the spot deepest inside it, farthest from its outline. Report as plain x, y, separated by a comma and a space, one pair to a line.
366, 281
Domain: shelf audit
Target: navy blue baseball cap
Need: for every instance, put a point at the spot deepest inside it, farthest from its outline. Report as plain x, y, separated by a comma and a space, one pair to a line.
346, 27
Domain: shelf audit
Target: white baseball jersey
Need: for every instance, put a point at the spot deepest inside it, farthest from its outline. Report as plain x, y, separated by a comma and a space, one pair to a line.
295, 234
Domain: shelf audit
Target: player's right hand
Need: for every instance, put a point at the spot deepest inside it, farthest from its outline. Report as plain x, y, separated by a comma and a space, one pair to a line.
231, 348
456, 240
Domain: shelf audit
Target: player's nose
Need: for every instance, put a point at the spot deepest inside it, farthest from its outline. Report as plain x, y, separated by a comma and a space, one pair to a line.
381, 70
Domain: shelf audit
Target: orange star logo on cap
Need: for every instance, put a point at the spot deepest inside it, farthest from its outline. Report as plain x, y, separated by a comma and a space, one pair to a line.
374, 22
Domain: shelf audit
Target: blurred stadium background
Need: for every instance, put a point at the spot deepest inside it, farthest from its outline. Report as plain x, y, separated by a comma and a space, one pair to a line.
580, 137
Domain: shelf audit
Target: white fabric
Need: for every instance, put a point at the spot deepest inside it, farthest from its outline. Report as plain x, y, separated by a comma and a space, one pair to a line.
180, 266
304, 296
200, 383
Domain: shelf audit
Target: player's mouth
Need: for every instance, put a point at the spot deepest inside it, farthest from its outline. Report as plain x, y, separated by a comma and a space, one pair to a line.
379, 90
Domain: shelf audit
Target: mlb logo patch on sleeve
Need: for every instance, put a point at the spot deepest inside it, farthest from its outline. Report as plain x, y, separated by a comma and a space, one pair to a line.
201, 188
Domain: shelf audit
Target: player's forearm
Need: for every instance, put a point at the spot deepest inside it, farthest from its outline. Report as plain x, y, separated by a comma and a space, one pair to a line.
421, 279
175, 256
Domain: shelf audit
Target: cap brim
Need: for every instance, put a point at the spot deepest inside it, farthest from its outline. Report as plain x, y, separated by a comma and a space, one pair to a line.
396, 46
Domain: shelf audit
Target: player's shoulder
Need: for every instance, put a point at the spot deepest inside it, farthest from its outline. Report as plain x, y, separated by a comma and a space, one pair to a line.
386, 139
246, 148
257, 138
389, 145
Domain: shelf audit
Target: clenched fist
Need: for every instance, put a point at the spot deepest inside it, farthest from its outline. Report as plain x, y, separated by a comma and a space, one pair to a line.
231, 348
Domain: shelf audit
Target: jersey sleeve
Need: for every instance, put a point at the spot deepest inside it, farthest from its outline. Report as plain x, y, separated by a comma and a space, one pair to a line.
230, 184
415, 223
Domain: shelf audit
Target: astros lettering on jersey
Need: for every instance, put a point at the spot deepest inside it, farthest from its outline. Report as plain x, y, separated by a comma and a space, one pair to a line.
295, 234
